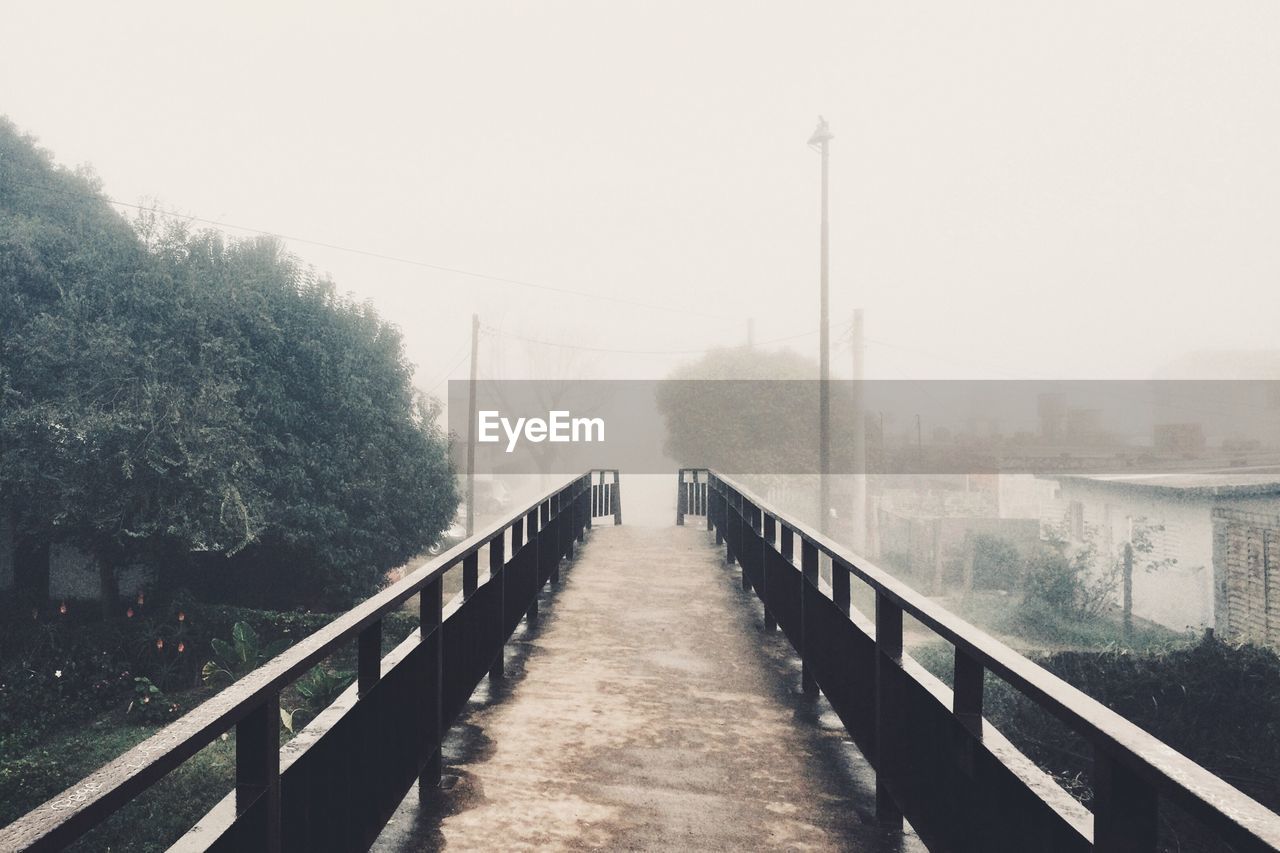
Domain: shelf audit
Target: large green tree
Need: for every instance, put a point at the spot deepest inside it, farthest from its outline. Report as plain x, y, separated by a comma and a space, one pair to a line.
744, 410
167, 393
113, 439
354, 466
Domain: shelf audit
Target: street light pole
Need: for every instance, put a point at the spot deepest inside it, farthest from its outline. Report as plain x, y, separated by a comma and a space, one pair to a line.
820, 140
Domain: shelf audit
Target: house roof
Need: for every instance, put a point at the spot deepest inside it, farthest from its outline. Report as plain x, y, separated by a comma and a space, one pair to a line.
1215, 483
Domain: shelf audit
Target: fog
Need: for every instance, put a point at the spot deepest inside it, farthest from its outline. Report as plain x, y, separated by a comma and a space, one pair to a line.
1017, 189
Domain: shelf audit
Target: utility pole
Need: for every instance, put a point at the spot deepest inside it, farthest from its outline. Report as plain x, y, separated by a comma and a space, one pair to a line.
471, 428
860, 519
821, 141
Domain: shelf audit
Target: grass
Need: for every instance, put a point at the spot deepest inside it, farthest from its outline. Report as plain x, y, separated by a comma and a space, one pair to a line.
40, 763
1040, 629
154, 820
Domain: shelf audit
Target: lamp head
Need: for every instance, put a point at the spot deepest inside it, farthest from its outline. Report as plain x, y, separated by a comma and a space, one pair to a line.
821, 134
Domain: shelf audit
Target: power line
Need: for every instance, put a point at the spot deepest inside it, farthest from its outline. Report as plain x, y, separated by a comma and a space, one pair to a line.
620, 300
448, 373
586, 348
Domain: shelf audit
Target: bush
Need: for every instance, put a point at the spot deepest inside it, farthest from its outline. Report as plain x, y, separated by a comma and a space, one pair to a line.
1065, 582
996, 563
150, 705
60, 666
245, 653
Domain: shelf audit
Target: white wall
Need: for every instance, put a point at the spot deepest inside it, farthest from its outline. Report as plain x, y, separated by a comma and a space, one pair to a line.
1178, 596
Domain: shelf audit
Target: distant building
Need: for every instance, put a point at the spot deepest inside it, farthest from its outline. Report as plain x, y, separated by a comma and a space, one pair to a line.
1178, 438
73, 574
1233, 394
1186, 580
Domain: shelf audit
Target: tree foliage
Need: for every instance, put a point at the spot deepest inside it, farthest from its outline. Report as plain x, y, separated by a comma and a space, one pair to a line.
168, 392
745, 410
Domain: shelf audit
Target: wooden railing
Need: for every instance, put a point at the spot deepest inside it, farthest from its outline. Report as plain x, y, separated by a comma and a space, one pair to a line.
335, 786
960, 783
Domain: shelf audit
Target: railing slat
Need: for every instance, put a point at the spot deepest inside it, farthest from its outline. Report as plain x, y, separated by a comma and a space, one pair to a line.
258, 770
809, 572
967, 687
1125, 808
889, 716
470, 574
430, 609
369, 657
497, 576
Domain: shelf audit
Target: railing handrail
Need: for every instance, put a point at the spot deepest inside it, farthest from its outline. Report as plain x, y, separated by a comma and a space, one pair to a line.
107, 789
1169, 771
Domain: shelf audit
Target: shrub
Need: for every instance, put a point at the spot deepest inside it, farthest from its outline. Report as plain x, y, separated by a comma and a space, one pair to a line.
996, 563
150, 705
1065, 581
318, 689
245, 653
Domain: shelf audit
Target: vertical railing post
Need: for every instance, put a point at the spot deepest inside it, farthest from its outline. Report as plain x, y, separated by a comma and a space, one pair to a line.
840, 593
809, 578
681, 494
889, 717
1125, 808
568, 508
470, 574
430, 607
966, 695
731, 529
744, 546
555, 521
258, 768
720, 518
766, 545
517, 535
498, 575
531, 525
369, 658
582, 517
617, 497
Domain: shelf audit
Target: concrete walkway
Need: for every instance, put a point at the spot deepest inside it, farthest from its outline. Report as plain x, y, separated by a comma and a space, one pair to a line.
647, 710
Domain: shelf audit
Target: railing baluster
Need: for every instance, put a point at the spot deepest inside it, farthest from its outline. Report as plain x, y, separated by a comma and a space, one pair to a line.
258, 768
617, 497
840, 593
430, 611
369, 658
766, 545
720, 518
809, 573
556, 523
889, 716
531, 527
1125, 808
681, 496
966, 697
497, 575
470, 574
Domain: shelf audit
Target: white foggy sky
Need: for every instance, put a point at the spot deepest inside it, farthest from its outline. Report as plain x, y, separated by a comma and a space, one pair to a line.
1018, 188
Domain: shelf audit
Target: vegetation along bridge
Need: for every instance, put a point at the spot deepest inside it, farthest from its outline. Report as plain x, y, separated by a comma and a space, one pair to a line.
655, 706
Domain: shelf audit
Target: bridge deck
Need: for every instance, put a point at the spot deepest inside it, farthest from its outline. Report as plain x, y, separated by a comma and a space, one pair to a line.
648, 710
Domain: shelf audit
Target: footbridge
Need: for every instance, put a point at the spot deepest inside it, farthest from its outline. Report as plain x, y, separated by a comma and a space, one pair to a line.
708, 685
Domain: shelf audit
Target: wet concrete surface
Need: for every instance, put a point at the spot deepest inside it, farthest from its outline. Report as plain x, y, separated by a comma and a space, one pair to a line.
647, 710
